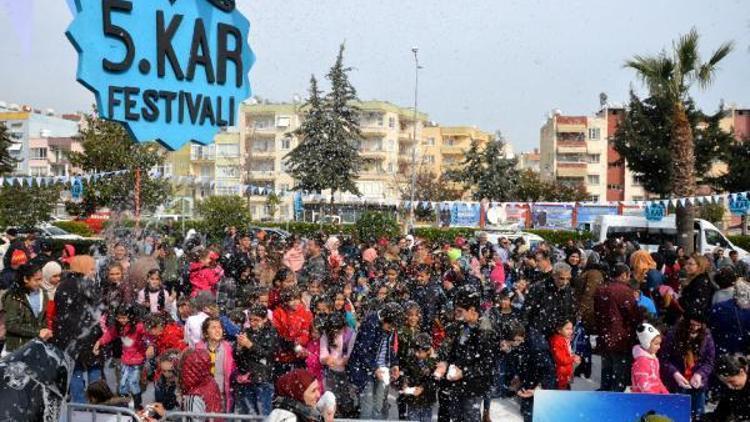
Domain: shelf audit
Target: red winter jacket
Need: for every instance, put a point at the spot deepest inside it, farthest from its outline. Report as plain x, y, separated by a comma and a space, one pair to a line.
133, 342
172, 337
293, 328
203, 278
617, 315
563, 357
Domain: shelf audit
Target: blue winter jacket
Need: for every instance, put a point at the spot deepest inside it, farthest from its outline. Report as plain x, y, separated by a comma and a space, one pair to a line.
730, 327
363, 360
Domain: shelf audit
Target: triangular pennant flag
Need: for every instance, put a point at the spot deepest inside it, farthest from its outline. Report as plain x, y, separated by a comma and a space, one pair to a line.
30, 181
39, 181
2, 180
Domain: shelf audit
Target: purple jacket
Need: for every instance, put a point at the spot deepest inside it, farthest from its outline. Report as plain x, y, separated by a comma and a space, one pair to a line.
673, 360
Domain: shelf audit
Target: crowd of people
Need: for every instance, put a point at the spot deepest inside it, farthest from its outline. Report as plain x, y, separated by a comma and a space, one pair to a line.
323, 327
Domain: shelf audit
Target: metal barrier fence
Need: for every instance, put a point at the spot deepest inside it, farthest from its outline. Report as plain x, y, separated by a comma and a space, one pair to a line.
78, 412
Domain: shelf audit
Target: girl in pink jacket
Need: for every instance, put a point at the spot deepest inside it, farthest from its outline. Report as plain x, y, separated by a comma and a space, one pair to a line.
205, 274
645, 372
133, 337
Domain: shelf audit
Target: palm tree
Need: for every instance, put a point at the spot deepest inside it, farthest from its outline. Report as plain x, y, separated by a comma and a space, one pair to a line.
670, 76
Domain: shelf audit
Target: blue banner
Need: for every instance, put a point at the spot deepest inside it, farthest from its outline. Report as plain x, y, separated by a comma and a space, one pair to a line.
586, 214
299, 207
596, 406
465, 215
549, 216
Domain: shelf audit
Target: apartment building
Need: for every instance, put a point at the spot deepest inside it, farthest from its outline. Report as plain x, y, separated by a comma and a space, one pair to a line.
444, 147
737, 119
529, 161
265, 137
40, 140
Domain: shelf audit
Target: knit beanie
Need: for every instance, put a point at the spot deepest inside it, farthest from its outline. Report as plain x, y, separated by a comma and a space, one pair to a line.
646, 333
82, 264
18, 258
293, 384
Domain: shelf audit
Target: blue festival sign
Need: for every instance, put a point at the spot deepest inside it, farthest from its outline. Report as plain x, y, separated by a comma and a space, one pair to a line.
739, 204
655, 211
174, 71
465, 215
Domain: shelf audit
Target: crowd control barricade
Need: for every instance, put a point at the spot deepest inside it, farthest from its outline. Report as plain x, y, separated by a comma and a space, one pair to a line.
80, 412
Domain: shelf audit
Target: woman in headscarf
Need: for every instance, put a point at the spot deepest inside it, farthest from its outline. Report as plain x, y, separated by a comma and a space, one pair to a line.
297, 394
51, 273
200, 393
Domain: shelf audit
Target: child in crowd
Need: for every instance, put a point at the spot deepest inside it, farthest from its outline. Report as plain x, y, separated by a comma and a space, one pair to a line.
253, 354
336, 345
418, 392
564, 358
133, 337
165, 381
155, 296
645, 374
205, 273
222, 359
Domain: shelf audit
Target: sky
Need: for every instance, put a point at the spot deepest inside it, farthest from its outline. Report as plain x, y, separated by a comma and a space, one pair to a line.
496, 64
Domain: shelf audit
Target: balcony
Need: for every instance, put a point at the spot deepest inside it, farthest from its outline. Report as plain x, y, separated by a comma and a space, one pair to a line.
263, 152
377, 153
454, 149
262, 174
571, 147
578, 170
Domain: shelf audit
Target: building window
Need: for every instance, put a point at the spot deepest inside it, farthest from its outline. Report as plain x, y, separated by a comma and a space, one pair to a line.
38, 153
228, 150
450, 141
592, 179
206, 171
286, 143
430, 159
637, 180
616, 164
594, 198
200, 152
227, 171
391, 122
16, 125
595, 133
283, 121
39, 171
430, 142
637, 198
594, 158
614, 187
263, 123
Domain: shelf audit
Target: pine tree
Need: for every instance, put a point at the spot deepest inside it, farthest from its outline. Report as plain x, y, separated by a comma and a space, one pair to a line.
487, 173
327, 155
7, 163
108, 147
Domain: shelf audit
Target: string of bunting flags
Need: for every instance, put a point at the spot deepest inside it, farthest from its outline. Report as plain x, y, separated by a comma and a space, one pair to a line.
738, 203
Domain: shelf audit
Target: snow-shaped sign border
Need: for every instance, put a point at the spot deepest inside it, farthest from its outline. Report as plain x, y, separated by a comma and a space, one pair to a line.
171, 71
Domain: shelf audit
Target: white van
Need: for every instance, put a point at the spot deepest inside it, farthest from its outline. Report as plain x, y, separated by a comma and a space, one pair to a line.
494, 235
651, 234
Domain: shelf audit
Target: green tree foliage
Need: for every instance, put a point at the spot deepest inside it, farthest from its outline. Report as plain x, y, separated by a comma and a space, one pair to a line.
736, 155
327, 157
7, 163
643, 140
669, 77
220, 212
712, 212
27, 206
487, 173
108, 147
531, 188
374, 225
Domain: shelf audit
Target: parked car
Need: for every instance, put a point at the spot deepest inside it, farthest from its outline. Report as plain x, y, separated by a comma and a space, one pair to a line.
271, 231
49, 231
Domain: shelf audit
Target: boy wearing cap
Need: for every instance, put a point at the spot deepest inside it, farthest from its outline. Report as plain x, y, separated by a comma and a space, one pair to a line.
645, 372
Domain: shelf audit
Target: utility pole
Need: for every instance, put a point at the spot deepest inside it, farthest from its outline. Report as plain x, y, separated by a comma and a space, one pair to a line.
414, 50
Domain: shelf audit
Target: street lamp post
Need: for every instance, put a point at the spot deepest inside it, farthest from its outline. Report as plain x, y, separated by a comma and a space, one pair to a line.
414, 50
